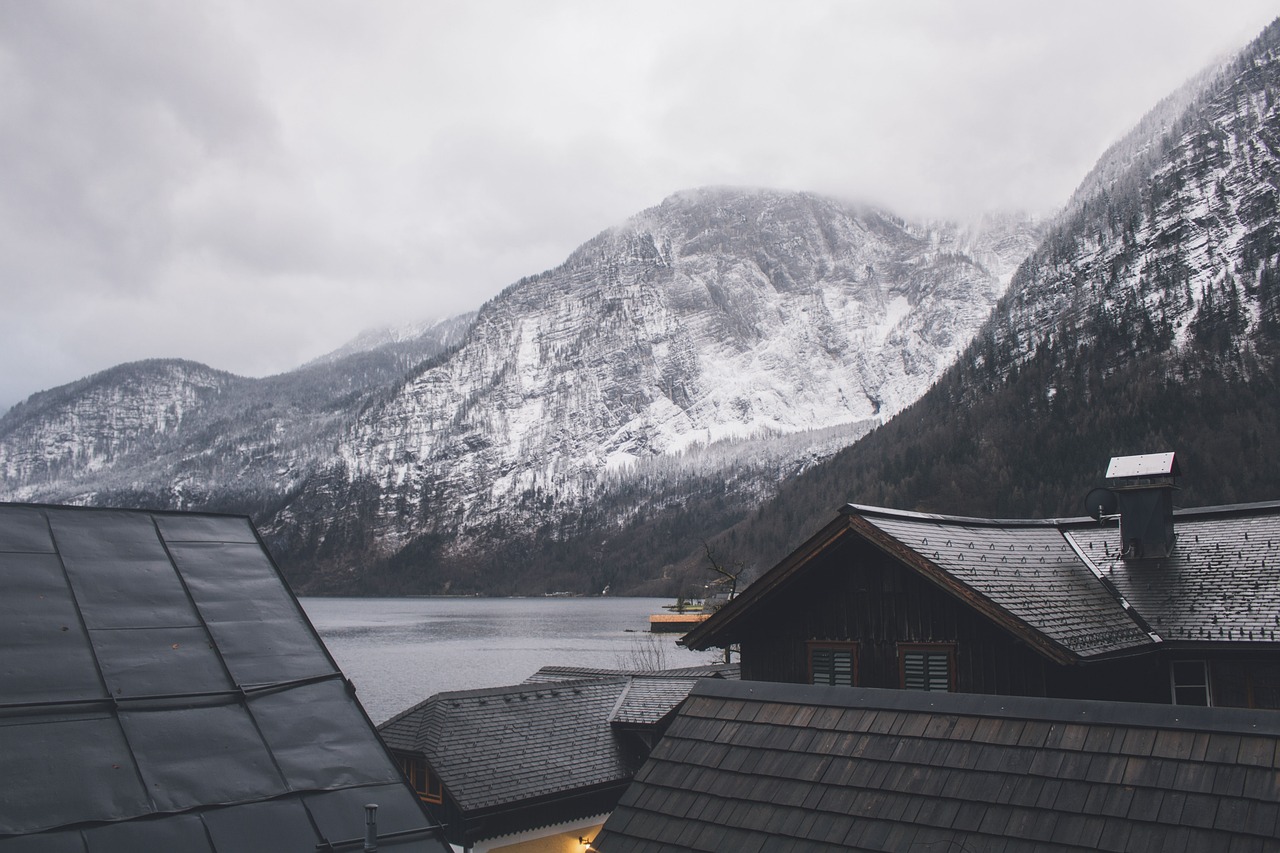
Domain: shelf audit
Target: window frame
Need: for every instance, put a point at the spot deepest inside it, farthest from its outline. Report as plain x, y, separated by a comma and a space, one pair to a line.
949, 649
1207, 684
850, 646
420, 778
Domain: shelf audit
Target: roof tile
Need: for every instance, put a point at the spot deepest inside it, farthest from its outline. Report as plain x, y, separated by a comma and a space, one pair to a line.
983, 790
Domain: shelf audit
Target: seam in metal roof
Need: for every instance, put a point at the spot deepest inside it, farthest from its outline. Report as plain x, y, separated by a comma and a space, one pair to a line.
159, 681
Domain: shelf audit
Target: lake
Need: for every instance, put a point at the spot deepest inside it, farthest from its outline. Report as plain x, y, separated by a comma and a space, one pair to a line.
399, 651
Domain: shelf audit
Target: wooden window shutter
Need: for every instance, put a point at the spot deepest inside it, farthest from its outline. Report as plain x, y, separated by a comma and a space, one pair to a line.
927, 669
833, 664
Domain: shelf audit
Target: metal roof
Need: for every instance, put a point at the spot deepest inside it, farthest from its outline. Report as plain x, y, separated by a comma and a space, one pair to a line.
753, 766
1145, 465
161, 688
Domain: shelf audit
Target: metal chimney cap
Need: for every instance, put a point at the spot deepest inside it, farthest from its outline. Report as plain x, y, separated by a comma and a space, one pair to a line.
1146, 465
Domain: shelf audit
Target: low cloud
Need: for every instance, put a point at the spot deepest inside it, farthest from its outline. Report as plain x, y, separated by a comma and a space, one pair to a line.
249, 184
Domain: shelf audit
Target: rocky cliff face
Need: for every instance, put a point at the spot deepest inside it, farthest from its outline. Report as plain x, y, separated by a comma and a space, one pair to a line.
1148, 320
93, 424
1170, 245
719, 315
173, 433
780, 324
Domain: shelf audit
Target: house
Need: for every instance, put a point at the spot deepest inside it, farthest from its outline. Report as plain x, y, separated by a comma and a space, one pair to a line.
751, 766
1139, 602
161, 689
539, 765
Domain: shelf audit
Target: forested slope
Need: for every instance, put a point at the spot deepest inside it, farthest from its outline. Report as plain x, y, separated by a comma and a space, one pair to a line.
1148, 320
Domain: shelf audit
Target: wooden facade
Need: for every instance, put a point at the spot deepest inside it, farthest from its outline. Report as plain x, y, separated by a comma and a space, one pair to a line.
857, 594
887, 599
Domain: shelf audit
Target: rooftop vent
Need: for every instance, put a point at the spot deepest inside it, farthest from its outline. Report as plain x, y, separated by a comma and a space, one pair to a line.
1142, 494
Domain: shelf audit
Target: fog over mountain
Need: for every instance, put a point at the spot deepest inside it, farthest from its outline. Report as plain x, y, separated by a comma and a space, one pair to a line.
1148, 320
725, 335
731, 364
234, 183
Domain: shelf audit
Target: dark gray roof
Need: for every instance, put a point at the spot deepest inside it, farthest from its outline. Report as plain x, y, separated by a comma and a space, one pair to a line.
647, 700
1028, 570
1061, 583
750, 766
506, 745
162, 689
1221, 583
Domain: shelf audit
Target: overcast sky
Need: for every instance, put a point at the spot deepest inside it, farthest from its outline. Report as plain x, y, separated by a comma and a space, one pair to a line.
250, 184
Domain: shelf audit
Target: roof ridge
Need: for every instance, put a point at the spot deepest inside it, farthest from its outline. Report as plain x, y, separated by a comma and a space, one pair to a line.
1064, 521
866, 509
622, 698
523, 687
1094, 711
1112, 589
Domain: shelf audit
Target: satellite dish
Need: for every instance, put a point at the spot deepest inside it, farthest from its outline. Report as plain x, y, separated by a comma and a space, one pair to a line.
1100, 502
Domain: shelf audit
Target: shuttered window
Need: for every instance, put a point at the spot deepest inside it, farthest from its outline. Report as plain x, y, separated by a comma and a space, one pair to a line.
833, 663
927, 667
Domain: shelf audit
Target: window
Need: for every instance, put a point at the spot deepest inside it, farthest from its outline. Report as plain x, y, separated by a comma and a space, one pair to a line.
927, 667
833, 663
1189, 680
420, 777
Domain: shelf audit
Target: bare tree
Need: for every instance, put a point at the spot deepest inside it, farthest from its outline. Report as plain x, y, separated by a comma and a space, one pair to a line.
647, 654
728, 576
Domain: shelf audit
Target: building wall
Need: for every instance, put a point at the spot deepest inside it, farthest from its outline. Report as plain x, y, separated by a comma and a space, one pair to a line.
854, 592
561, 838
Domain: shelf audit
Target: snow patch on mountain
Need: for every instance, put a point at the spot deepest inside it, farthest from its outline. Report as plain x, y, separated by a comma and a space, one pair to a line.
720, 315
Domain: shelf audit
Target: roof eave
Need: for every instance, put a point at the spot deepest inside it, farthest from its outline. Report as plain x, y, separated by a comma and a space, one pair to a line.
940, 577
712, 631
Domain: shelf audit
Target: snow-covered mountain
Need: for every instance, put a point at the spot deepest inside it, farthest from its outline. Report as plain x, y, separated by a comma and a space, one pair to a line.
173, 433
1148, 320
1172, 235
786, 322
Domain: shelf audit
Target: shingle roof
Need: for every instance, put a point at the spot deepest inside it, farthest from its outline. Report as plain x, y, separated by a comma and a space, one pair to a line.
504, 745
1222, 582
160, 688
648, 700
509, 744
753, 766
1062, 581
1028, 570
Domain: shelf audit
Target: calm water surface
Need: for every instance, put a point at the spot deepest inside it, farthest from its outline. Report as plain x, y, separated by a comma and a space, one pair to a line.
399, 651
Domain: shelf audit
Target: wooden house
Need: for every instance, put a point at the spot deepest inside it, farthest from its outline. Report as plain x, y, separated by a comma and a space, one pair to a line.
536, 766
749, 766
1140, 603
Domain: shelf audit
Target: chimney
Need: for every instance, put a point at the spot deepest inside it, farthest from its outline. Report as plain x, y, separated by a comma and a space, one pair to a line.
1143, 486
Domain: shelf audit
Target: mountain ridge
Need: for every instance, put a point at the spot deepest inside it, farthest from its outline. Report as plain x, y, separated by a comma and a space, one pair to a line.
1147, 320
785, 322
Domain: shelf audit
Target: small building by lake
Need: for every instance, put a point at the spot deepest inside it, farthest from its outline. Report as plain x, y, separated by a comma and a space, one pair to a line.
539, 765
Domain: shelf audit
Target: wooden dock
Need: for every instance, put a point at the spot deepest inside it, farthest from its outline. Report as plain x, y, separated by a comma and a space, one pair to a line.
672, 623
